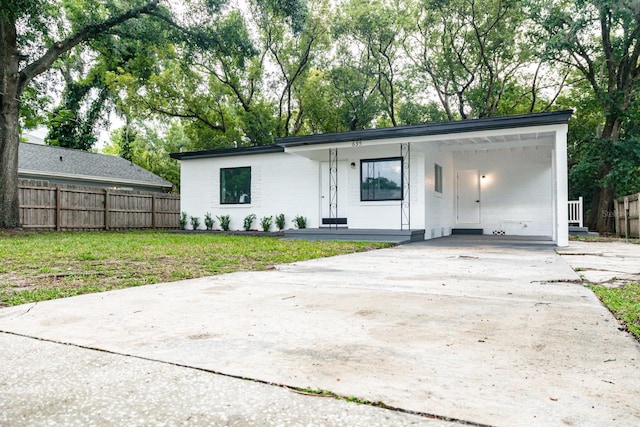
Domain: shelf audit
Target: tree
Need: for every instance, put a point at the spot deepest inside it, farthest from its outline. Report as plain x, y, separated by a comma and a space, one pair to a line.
68, 126
145, 147
376, 27
601, 40
28, 48
293, 53
472, 51
213, 80
87, 98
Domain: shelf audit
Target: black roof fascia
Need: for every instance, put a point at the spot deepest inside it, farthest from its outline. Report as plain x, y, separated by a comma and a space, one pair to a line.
227, 152
442, 128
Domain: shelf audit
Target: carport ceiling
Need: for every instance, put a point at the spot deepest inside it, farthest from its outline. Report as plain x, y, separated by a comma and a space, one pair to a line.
494, 142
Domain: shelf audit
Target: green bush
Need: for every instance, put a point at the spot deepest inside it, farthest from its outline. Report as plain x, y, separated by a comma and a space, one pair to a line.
300, 221
195, 222
225, 221
183, 220
208, 221
280, 222
248, 221
266, 222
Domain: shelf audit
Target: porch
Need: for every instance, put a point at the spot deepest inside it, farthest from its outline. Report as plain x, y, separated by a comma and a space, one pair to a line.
362, 235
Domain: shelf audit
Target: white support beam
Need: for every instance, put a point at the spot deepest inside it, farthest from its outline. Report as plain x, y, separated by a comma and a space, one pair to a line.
561, 233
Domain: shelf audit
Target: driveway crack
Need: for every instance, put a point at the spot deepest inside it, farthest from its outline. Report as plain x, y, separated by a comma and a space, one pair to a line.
295, 389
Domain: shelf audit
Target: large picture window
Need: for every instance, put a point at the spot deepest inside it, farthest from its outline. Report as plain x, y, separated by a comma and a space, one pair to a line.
381, 179
235, 185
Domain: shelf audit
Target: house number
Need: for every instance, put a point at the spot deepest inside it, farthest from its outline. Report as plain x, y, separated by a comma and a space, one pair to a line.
356, 143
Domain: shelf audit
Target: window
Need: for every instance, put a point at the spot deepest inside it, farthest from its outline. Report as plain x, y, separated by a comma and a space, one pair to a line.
235, 185
438, 179
381, 179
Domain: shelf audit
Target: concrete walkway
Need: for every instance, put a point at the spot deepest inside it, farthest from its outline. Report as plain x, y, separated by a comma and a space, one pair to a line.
446, 333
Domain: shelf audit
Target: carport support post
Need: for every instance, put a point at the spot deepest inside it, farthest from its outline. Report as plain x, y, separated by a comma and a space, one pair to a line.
560, 165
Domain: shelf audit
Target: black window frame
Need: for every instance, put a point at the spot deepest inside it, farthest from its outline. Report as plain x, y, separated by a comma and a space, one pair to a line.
222, 199
437, 181
379, 160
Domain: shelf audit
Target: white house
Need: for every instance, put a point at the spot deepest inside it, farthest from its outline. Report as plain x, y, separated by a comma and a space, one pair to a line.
500, 175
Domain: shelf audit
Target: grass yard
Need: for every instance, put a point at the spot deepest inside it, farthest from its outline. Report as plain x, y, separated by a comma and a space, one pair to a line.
43, 266
603, 239
624, 303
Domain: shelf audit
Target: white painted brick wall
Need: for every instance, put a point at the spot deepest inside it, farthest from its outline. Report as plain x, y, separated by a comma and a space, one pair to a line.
439, 212
280, 183
516, 197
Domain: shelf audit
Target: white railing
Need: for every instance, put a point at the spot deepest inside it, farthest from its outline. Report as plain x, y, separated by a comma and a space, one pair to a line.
575, 211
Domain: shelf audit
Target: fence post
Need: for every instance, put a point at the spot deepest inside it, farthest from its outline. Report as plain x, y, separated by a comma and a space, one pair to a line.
580, 211
627, 223
637, 217
58, 210
153, 211
616, 214
107, 218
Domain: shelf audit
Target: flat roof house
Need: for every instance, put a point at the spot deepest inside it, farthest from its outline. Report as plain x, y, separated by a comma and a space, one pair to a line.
500, 175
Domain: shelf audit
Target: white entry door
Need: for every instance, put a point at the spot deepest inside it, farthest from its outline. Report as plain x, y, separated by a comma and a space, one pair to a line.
341, 192
468, 194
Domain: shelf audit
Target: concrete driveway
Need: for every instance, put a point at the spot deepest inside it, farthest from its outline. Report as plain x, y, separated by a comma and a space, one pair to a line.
443, 333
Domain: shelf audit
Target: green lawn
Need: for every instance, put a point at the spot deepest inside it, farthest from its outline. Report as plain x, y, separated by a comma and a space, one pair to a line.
624, 303
42, 266
603, 239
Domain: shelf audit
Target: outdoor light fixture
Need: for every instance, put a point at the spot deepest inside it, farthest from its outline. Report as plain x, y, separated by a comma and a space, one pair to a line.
353, 165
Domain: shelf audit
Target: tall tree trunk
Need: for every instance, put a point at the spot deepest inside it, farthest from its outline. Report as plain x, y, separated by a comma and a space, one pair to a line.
9, 122
601, 216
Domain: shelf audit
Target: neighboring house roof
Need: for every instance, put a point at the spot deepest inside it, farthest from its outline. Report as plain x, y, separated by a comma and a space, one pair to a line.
442, 128
46, 161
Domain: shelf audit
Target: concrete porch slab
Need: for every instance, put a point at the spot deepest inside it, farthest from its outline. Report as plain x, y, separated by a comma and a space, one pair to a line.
354, 234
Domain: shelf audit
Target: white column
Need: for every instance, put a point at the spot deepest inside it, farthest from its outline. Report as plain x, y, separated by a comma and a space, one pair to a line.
562, 189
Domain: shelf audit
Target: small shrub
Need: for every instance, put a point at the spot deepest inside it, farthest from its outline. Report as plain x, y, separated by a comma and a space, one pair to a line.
266, 223
225, 221
183, 220
280, 222
208, 221
195, 222
248, 221
300, 221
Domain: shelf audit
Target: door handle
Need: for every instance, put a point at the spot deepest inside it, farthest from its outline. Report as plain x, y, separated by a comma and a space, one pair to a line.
477, 201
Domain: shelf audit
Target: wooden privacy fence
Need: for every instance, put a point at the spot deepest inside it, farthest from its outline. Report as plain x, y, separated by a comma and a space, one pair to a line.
626, 212
66, 207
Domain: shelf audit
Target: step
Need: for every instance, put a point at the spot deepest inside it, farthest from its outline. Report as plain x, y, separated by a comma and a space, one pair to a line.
468, 231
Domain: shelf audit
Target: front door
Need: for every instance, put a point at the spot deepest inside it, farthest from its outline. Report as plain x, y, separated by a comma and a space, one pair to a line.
340, 191
468, 196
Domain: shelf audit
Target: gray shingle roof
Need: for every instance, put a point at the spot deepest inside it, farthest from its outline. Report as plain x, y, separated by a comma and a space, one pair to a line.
47, 160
